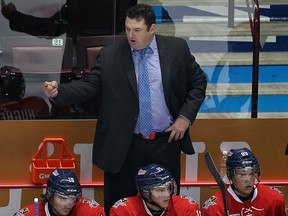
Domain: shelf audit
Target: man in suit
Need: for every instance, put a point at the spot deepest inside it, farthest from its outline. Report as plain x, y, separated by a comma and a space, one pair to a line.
177, 90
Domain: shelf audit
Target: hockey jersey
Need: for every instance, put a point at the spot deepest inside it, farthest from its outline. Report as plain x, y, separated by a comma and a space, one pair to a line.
265, 201
25, 109
84, 207
135, 206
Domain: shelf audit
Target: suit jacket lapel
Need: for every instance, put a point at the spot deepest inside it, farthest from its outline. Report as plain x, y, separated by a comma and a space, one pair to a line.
165, 64
128, 66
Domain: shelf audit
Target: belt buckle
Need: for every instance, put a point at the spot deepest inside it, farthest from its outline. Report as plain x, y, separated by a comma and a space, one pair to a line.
151, 136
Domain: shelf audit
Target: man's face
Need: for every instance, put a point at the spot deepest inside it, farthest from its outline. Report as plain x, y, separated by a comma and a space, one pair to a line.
161, 195
137, 33
62, 204
244, 180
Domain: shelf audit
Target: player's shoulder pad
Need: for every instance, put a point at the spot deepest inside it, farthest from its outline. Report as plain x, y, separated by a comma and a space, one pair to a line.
277, 190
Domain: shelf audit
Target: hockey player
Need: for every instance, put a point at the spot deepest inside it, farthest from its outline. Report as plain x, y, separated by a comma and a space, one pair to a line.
13, 104
156, 196
63, 197
246, 197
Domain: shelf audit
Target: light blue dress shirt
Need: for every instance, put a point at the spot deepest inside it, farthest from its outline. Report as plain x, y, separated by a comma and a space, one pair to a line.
161, 117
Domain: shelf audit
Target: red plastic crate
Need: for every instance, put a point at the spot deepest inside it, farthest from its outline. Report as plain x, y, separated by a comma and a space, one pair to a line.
42, 165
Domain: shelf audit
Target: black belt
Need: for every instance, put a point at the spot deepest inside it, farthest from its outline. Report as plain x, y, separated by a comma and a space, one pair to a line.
154, 135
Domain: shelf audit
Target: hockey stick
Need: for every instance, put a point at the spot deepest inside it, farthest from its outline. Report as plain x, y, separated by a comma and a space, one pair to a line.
36, 207
218, 179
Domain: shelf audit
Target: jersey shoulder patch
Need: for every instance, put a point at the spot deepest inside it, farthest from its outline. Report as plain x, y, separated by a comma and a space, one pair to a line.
190, 200
22, 212
121, 202
209, 202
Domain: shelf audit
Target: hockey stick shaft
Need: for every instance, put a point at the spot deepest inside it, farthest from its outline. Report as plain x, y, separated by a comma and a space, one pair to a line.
212, 168
36, 206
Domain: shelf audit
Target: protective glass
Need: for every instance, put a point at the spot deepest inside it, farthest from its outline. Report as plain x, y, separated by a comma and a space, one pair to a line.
246, 173
166, 189
62, 198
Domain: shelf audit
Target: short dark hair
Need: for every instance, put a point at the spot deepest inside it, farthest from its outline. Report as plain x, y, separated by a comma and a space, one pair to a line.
142, 11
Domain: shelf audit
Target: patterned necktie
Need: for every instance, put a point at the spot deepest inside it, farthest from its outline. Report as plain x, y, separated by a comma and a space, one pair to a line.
145, 115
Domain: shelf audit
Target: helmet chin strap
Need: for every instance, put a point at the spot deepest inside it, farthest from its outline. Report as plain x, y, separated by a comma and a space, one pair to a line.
258, 181
234, 188
152, 202
246, 197
242, 198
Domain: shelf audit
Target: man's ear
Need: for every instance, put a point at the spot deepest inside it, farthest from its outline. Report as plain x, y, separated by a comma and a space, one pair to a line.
152, 29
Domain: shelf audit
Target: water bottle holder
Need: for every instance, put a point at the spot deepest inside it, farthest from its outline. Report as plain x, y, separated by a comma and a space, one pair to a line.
42, 166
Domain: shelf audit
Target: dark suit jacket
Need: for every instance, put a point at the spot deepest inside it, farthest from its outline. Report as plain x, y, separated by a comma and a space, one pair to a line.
184, 85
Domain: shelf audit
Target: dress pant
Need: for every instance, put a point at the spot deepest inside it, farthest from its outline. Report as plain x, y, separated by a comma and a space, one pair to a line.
141, 153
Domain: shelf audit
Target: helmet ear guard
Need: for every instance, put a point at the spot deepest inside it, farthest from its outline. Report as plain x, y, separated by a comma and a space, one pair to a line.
241, 158
145, 192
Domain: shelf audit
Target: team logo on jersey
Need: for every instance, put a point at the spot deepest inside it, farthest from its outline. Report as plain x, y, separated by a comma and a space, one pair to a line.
92, 203
249, 211
189, 199
23, 211
210, 202
121, 202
